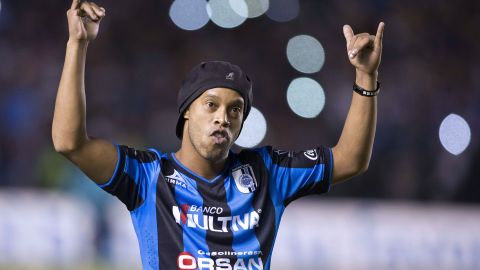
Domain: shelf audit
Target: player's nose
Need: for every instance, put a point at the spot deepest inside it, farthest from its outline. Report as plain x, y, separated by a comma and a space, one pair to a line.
221, 117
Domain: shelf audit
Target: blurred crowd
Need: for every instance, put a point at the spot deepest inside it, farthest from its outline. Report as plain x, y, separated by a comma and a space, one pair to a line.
429, 69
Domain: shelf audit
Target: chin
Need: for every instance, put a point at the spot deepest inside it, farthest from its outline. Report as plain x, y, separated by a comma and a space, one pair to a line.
216, 153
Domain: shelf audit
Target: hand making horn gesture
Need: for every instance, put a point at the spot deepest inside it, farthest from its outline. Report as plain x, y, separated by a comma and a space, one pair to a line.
83, 20
364, 50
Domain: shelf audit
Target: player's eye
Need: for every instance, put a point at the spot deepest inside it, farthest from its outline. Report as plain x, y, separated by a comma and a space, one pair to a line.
210, 105
235, 112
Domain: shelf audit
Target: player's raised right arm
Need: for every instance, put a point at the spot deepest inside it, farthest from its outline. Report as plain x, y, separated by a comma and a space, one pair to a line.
95, 157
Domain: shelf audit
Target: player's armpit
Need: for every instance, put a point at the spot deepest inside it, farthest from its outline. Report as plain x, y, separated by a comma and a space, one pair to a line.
97, 158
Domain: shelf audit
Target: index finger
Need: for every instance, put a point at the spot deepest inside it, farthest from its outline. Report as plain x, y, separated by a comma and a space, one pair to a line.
379, 35
75, 4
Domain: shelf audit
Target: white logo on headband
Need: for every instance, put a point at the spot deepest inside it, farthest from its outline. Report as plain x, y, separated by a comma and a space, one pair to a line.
229, 76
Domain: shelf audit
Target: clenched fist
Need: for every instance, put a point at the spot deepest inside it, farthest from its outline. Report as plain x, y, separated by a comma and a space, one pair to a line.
84, 20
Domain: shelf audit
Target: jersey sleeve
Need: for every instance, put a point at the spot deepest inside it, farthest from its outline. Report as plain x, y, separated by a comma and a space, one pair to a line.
298, 173
134, 171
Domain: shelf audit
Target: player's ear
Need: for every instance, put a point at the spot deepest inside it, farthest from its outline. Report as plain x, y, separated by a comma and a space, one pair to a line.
186, 115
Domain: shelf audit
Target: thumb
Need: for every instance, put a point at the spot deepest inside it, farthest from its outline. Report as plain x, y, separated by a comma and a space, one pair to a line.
348, 33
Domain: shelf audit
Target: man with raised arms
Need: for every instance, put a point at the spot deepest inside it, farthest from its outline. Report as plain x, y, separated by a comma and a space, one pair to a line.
204, 206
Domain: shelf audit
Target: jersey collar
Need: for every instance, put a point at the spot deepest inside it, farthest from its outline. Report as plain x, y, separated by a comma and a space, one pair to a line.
182, 168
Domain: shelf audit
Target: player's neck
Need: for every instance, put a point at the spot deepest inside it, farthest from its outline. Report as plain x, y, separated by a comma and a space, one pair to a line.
198, 164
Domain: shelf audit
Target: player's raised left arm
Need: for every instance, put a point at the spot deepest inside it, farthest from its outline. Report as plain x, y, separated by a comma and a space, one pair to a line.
352, 153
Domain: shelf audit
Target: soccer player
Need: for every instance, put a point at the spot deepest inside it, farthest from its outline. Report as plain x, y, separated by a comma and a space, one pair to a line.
204, 206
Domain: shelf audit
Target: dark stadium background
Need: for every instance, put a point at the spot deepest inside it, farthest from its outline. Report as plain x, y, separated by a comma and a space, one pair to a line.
430, 68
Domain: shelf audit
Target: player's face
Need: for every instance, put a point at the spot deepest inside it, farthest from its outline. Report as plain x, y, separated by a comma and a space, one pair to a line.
213, 122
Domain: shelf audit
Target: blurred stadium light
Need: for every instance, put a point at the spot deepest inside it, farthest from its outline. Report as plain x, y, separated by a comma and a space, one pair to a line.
189, 14
454, 134
254, 129
223, 15
255, 8
305, 54
305, 97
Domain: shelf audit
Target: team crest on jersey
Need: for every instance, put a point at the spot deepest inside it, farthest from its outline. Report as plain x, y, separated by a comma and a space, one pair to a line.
244, 178
176, 179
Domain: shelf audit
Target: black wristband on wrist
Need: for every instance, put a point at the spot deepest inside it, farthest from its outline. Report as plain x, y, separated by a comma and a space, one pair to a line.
366, 93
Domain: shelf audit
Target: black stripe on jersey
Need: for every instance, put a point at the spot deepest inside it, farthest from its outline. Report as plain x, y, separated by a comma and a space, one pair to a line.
266, 229
214, 194
170, 234
124, 187
140, 156
320, 187
293, 159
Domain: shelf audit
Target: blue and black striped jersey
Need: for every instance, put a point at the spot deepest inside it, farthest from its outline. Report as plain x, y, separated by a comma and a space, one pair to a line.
184, 221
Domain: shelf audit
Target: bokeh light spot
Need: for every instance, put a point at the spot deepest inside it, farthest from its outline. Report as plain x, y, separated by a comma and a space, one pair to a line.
305, 97
239, 7
254, 129
454, 134
252, 9
283, 10
189, 14
305, 54
223, 15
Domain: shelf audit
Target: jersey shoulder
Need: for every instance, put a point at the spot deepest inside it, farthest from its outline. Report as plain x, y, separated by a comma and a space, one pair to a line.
288, 158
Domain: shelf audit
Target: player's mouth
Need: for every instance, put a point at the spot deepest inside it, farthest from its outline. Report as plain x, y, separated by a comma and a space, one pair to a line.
220, 136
